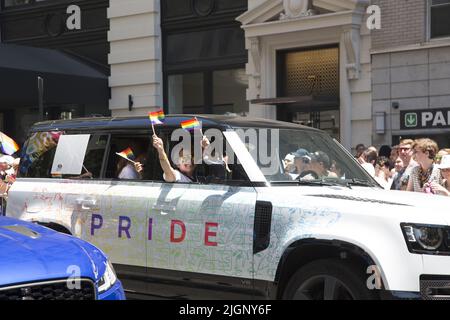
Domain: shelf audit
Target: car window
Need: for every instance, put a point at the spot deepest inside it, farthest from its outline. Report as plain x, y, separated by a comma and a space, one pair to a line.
39, 152
125, 150
285, 155
213, 169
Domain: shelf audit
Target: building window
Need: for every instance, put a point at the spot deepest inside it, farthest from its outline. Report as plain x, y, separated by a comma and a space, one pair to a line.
186, 93
229, 91
211, 92
439, 12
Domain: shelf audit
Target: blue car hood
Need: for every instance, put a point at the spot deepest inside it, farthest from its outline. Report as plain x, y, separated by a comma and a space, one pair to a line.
29, 253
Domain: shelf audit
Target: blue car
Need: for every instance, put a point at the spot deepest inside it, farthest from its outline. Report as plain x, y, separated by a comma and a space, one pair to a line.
37, 263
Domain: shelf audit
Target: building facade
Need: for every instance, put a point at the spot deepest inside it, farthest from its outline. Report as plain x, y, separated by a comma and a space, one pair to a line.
411, 71
313, 62
260, 58
65, 44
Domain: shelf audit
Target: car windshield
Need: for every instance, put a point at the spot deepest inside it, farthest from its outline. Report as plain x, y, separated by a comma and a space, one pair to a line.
290, 156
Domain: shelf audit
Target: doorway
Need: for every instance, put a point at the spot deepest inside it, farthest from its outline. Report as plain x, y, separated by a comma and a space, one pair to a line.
310, 77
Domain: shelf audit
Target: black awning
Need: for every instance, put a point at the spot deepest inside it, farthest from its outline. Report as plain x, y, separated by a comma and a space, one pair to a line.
67, 80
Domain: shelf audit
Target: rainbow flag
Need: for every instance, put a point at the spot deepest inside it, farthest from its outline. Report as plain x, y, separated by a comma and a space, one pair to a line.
191, 124
8, 145
156, 117
127, 154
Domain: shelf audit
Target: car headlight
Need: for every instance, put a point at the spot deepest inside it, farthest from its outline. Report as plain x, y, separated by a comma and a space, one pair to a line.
427, 239
108, 279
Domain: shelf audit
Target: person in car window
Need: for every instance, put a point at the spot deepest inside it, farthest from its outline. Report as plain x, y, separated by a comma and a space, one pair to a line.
320, 164
126, 170
302, 162
185, 167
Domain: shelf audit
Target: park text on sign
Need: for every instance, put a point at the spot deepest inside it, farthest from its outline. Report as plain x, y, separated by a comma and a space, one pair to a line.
425, 119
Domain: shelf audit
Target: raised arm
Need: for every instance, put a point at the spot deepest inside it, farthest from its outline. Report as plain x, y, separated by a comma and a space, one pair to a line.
169, 172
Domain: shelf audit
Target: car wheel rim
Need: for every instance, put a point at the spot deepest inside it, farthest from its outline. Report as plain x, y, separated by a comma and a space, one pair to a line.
323, 287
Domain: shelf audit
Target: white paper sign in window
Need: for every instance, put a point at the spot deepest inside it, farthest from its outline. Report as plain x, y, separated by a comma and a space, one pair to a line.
70, 153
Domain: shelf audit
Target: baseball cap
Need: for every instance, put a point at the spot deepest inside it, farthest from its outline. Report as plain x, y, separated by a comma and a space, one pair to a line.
302, 153
445, 162
7, 159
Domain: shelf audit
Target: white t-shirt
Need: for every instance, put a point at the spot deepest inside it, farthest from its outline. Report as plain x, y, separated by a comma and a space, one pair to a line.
129, 173
179, 177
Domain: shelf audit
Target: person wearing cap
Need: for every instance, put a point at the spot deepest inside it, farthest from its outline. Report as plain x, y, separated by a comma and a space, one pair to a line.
321, 165
444, 187
302, 161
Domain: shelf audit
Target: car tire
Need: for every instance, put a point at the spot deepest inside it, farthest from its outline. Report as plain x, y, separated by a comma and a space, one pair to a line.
328, 280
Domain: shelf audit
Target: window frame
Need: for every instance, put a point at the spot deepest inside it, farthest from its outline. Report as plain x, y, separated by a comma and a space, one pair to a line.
428, 22
230, 183
138, 133
208, 84
75, 132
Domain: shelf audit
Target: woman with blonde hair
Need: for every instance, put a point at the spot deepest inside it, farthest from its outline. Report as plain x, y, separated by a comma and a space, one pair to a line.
427, 171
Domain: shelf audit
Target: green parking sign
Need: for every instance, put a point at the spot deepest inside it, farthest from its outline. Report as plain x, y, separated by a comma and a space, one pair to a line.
411, 120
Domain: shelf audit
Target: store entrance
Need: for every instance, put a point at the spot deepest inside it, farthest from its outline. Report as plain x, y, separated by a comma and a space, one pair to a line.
308, 88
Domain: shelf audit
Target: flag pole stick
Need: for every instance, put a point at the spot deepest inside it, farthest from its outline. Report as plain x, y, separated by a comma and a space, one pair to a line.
133, 162
201, 129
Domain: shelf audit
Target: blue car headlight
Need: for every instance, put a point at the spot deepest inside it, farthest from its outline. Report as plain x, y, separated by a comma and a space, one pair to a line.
108, 279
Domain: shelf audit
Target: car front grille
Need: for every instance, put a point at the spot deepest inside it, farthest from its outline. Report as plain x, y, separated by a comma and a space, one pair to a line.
51, 290
433, 288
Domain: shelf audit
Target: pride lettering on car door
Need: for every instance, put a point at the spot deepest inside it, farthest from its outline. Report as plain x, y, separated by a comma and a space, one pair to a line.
178, 230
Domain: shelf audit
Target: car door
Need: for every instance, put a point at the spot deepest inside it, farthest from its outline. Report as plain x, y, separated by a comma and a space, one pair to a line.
120, 227
201, 243
64, 202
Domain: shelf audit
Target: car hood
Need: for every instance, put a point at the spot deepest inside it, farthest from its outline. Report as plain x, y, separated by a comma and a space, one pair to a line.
30, 253
404, 206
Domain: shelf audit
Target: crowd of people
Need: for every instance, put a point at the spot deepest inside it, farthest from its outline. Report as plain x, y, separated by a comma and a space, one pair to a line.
413, 165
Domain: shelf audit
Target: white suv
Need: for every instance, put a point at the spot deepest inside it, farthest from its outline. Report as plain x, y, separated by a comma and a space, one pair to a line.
256, 231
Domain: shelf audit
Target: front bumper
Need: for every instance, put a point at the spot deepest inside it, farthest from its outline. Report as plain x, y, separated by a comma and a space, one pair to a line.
114, 293
432, 287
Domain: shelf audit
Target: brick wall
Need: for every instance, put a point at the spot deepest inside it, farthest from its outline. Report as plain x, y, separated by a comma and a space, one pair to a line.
403, 22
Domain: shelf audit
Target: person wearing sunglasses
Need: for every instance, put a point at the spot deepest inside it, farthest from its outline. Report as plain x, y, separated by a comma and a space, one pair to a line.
185, 170
405, 153
302, 163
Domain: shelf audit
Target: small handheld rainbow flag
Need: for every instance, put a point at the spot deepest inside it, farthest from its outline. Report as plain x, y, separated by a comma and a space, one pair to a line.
127, 154
8, 145
191, 125
156, 117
